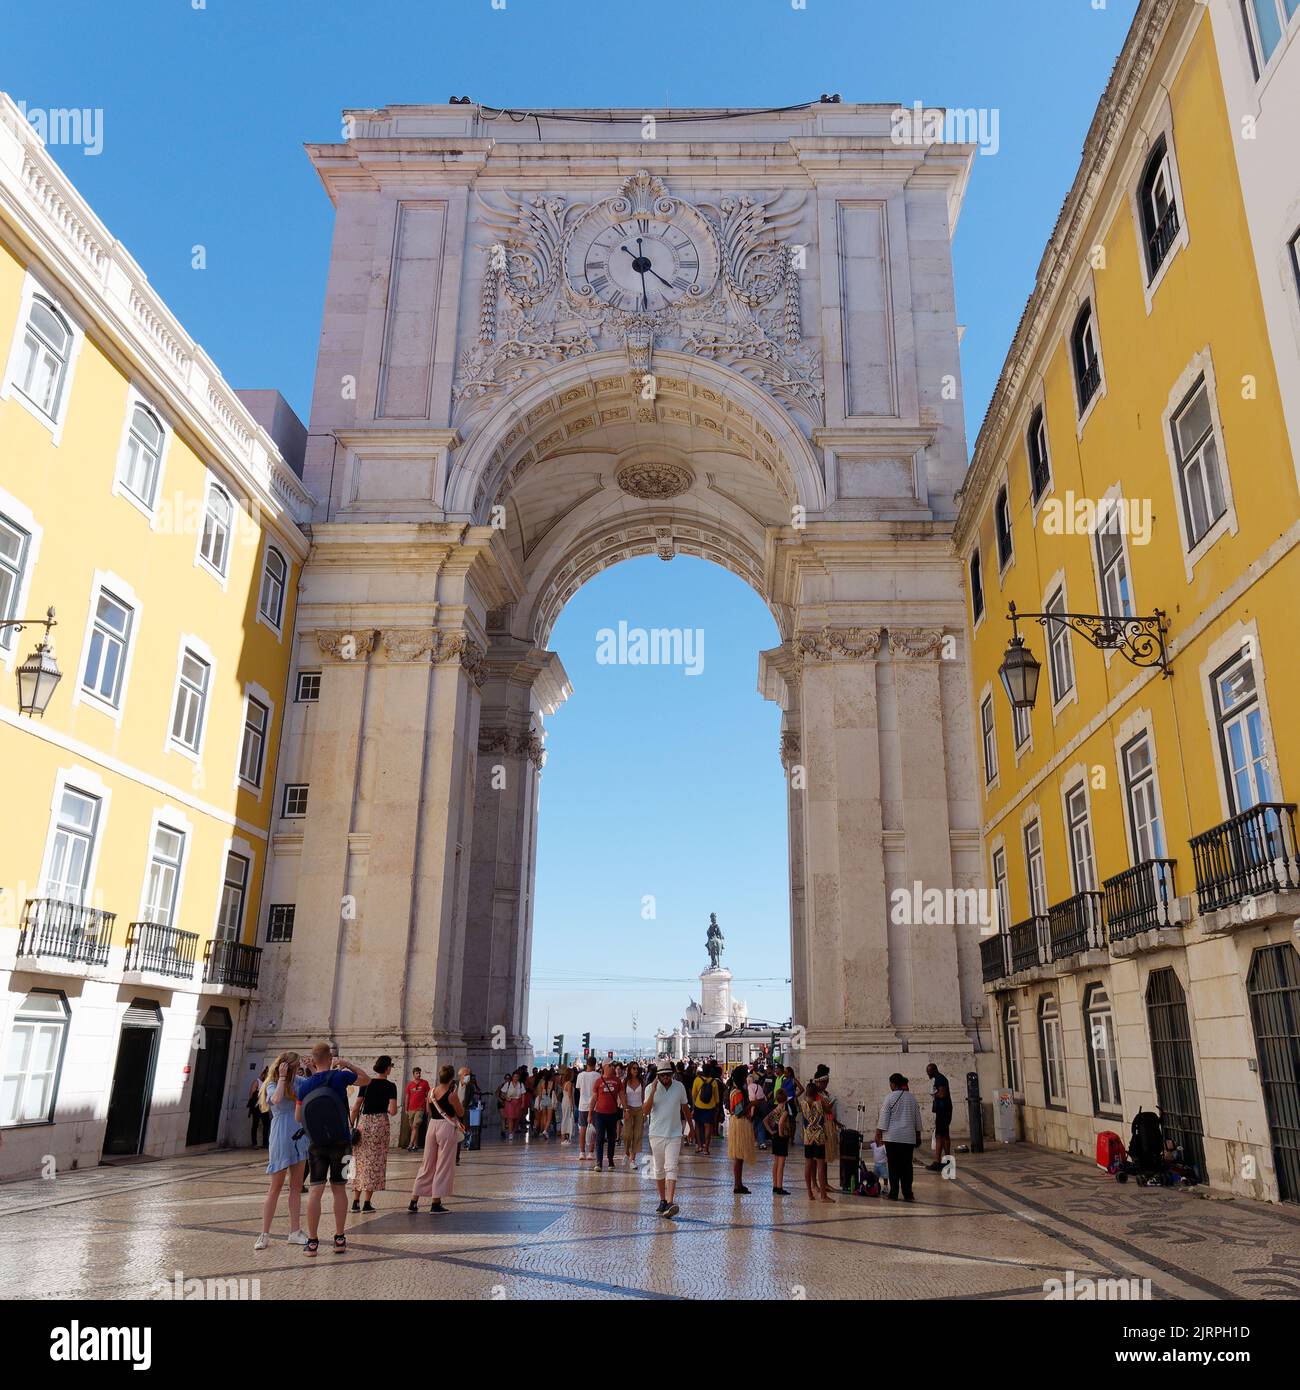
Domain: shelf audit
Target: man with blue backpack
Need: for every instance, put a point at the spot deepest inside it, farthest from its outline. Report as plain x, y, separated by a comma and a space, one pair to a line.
323, 1113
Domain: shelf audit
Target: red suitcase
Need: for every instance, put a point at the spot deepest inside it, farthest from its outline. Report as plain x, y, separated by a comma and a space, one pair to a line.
1110, 1150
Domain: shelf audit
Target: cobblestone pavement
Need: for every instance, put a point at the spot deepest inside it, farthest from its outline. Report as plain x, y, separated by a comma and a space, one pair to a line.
530, 1222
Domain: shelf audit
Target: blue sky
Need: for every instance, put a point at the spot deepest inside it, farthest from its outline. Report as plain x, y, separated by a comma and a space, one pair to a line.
673, 779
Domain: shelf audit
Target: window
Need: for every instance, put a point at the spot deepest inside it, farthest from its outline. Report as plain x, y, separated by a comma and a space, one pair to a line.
1000, 890
251, 753
1020, 726
1049, 1036
76, 821
1079, 834
164, 875
1060, 663
1266, 22
1112, 565
214, 543
989, 740
1103, 1055
1140, 794
295, 800
976, 587
13, 560
1242, 743
279, 922
1034, 869
270, 602
1002, 525
1087, 362
1011, 1048
35, 1052
106, 656
42, 368
1199, 477
191, 701
142, 455
1158, 207
308, 687
230, 917
1040, 463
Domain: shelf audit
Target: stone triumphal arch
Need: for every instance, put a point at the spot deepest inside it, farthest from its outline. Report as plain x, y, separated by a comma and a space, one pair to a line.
549, 346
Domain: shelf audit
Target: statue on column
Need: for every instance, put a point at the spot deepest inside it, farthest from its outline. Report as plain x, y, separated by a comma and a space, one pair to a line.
714, 942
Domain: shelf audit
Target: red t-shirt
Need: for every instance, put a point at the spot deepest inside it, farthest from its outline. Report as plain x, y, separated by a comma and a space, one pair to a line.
417, 1092
608, 1097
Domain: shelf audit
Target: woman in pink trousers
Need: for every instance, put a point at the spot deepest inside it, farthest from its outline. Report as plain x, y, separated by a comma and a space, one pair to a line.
442, 1134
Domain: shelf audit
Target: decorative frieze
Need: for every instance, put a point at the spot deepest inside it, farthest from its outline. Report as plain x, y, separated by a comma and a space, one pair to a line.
512, 745
839, 644
346, 645
460, 646
916, 643
789, 750
409, 643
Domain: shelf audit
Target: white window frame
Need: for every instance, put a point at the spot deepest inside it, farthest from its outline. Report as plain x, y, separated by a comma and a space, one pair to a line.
1085, 295
297, 687
136, 400
221, 575
87, 783
1201, 365
1113, 500
1222, 650
285, 812
1021, 718
1062, 632
1139, 726
1083, 874
1103, 1105
1158, 123
21, 517
1003, 492
975, 561
166, 818
33, 1023
117, 588
1038, 409
269, 549
243, 850
190, 642
1225, 719
1051, 1043
1013, 1055
1001, 883
989, 739
270, 911
33, 289
253, 691
1036, 887
1264, 68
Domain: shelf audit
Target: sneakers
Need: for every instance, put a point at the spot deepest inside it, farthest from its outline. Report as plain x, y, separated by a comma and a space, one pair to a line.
671, 1210
262, 1241
297, 1238
934, 1167
659, 1210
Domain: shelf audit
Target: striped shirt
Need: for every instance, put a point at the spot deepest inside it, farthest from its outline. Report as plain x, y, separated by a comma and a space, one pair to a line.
900, 1118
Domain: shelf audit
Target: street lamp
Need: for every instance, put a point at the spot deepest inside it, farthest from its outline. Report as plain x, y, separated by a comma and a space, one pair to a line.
40, 673
1140, 641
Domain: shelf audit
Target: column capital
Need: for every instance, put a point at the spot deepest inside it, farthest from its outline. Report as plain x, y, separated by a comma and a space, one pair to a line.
345, 645
498, 739
789, 749
916, 643
460, 646
839, 644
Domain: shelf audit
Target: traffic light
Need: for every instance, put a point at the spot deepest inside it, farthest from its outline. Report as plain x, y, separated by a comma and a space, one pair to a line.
586, 1044
557, 1044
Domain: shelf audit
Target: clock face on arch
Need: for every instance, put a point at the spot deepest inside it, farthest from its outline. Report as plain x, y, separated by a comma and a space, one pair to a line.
641, 262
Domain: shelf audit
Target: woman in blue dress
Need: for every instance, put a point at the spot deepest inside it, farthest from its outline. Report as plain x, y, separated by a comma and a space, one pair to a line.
288, 1155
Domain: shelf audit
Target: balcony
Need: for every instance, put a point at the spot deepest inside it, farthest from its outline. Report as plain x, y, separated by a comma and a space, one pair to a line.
231, 963
65, 930
993, 958
1252, 853
163, 950
1141, 899
1089, 382
1076, 925
1162, 238
1025, 943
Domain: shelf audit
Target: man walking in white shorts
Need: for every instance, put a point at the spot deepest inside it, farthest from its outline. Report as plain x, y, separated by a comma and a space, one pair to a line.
666, 1107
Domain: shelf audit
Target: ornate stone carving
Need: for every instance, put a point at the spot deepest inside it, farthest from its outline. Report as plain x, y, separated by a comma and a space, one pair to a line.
409, 643
460, 646
346, 646
747, 316
656, 482
665, 545
789, 750
840, 644
915, 643
501, 740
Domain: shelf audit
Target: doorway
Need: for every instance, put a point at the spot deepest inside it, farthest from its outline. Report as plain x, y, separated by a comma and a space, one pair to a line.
1175, 1066
209, 1086
1274, 988
137, 1056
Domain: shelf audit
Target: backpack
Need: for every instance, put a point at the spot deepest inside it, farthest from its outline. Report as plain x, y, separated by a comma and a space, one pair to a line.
325, 1117
708, 1097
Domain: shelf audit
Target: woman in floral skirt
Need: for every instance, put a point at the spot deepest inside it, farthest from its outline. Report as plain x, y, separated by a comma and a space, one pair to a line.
372, 1113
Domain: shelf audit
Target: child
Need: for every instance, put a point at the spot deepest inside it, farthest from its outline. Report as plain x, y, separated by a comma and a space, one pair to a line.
778, 1123
881, 1161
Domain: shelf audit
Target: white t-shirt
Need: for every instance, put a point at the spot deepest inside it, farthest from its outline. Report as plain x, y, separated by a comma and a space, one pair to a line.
587, 1083
632, 1097
666, 1111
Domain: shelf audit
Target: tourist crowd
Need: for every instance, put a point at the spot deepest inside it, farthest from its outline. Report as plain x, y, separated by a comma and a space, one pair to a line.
316, 1126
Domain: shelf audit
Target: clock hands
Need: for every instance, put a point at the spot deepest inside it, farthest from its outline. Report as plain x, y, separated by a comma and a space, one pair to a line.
641, 264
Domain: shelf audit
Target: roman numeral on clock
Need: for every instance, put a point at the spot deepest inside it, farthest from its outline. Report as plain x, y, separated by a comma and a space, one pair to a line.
599, 283
643, 225
680, 282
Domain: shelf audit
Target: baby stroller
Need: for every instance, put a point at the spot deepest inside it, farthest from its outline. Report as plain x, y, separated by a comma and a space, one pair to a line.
1152, 1160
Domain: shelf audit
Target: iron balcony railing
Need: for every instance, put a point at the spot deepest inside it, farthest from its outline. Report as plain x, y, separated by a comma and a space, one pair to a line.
1162, 238
67, 930
164, 950
1025, 944
1076, 925
1089, 381
1139, 899
993, 958
231, 963
1253, 852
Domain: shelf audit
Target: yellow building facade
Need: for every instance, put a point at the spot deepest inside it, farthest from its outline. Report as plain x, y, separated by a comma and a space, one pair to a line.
1135, 464
145, 502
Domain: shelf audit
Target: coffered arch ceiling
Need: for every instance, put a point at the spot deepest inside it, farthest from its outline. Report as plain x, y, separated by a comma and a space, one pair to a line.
601, 463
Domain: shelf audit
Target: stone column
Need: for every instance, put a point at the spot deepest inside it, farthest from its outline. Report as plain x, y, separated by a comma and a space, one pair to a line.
796, 783
524, 683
